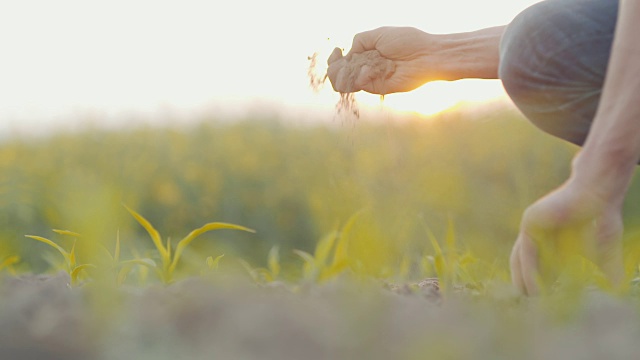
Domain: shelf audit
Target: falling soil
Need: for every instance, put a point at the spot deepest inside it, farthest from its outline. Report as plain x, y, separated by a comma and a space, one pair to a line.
315, 80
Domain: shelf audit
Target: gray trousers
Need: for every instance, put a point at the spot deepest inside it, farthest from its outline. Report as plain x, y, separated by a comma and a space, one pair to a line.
553, 59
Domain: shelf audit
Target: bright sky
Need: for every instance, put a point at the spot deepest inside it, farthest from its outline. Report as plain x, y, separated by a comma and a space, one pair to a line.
71, 58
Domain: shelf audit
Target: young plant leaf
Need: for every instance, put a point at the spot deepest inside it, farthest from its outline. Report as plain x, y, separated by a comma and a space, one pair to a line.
128, 265
439, 263
62, 251
182, 244
336, 269
143, 262
106, 251
340, 256
122, 274
76, 272
212, 264
66, 232
309, 263
72, 256
324, 247
250, 270
155, 236
266, 274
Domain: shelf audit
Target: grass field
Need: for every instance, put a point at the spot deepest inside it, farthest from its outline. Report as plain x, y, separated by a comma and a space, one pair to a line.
311, 241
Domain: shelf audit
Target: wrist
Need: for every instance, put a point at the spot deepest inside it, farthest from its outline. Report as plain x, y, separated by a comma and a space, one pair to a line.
605, 174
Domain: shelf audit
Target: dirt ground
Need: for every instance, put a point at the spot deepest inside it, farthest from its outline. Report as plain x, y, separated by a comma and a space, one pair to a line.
41, 317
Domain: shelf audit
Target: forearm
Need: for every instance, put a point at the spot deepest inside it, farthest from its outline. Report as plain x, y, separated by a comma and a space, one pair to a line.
467, 55
612, 149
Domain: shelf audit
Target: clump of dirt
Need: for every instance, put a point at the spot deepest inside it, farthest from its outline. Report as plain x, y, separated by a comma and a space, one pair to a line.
371, 62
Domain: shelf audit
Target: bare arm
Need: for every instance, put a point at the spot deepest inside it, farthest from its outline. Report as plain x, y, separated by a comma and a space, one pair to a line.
419, 57
588, 207
467, 55
612, 149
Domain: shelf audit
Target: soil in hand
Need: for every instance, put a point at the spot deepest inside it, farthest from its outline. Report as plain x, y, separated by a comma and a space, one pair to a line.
355, 68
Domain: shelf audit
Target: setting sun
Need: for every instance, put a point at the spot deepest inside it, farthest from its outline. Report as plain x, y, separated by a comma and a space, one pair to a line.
433, 98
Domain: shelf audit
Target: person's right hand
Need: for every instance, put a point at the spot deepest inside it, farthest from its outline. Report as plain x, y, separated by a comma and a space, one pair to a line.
572, 220
407, 47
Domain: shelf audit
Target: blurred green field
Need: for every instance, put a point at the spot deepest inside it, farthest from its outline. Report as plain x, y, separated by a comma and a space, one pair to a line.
293, 184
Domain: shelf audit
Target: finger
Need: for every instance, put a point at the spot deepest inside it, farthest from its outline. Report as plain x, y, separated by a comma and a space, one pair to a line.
364, 77
365, 41
516, 269
335, 56
332, 74
372, 80
529, 264
336, 75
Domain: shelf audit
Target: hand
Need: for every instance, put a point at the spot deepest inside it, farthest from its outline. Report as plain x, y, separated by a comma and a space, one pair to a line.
405, 46
571, 220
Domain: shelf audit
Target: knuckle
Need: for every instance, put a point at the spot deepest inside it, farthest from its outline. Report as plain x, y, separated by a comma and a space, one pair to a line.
358, 38
536, 221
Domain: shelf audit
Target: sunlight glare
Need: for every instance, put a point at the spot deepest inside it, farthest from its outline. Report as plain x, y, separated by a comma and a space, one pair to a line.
439, 96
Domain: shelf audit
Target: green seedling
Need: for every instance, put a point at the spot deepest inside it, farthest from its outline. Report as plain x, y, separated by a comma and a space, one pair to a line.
316, 264
254, 273
122, 268
142, 272
211, 265
269, 274
335, 245
71, 266
450, 265
168, 257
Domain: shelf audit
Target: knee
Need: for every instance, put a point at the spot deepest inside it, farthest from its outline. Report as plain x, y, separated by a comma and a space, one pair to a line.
520, 53
552, 64
558, 43
524, 68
